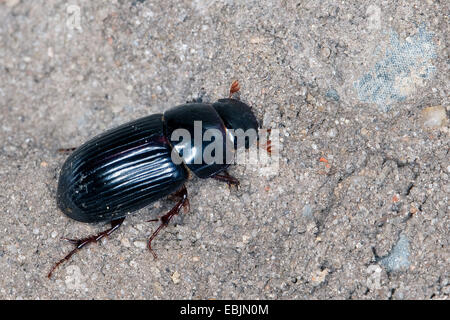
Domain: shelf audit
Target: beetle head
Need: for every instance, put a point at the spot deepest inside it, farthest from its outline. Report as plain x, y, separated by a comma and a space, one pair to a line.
240, 121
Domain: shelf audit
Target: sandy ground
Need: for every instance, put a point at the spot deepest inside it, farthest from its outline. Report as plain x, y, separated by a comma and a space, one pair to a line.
358, 207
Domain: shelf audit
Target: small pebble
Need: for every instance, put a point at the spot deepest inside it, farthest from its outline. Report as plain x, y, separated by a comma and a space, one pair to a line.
319, 276
140, 244
125, 242
11, 3
176, 277
434, 117
325, 52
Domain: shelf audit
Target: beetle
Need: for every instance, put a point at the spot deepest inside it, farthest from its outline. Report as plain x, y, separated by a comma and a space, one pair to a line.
129, 167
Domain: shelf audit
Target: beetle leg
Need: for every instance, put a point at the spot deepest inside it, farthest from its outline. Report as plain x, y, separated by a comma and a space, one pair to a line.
177, 196
268, 143
165, 219
226, 177
267, 146
66, 150
80, 243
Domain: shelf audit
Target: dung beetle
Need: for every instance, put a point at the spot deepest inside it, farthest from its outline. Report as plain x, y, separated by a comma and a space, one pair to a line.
131, 166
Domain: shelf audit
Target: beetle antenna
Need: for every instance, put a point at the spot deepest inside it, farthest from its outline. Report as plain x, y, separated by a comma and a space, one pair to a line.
235, 87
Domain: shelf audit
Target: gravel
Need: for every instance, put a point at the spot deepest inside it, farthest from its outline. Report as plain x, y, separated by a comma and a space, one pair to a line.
357, 207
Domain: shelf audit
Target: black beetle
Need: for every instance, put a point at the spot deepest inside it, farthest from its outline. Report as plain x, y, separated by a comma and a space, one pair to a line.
131, 166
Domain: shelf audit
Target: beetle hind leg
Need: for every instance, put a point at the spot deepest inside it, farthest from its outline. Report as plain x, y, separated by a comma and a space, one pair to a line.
183, 202
80, 243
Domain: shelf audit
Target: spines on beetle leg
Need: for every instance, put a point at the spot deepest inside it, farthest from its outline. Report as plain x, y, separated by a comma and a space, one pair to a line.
119, 171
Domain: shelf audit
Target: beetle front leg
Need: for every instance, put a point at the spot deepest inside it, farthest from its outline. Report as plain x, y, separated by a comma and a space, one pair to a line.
80, 243
183, 202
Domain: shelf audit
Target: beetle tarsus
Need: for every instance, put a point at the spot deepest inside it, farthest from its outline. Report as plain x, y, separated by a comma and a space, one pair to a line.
80, 243
183, 202
226, 177
66, 150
